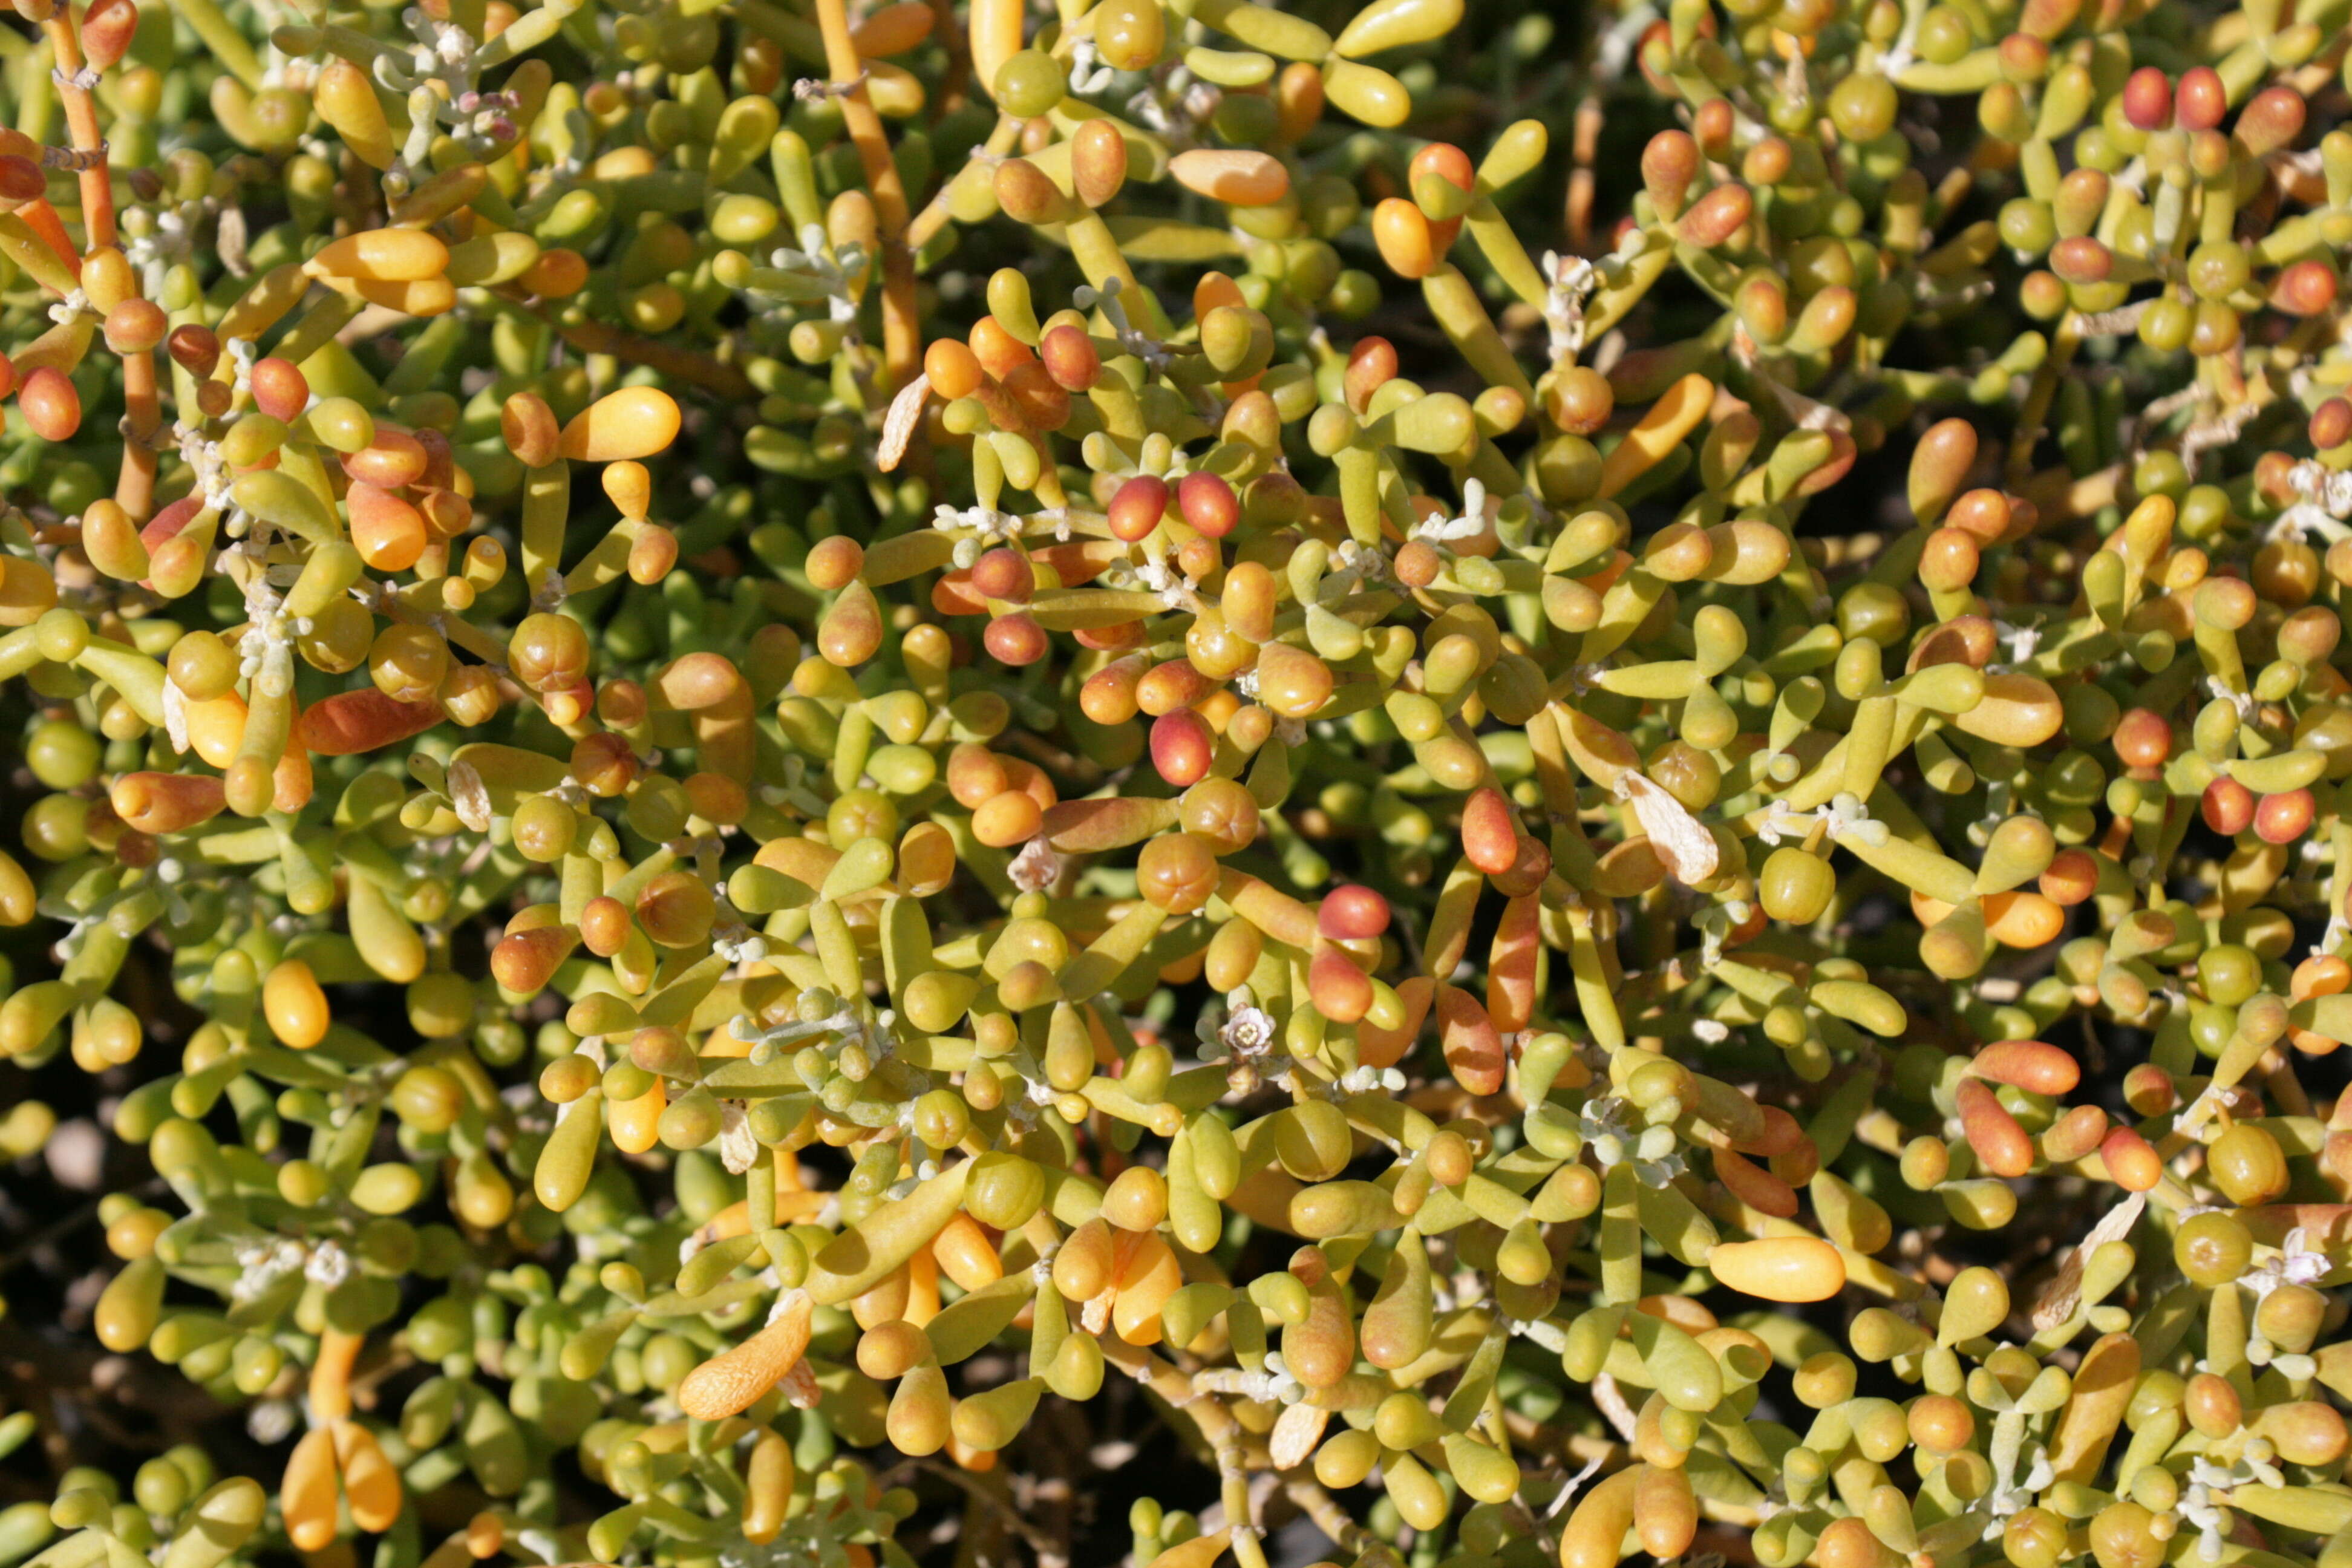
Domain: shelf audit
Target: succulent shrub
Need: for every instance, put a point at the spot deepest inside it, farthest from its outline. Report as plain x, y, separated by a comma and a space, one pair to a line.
1551, 783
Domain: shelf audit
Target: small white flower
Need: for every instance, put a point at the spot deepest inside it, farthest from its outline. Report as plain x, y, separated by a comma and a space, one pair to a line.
739, 1150
1248, 1032
1087, 74
1654, 1152
987, 523
1271, 1385
2021, 641
328, 1266
1176, 590
2243, 701
1352, 566
2330, 488
1131, 339
2200, 1505
845, 1023
1844, 814
265, 1262
819, 270
740, 944
1037, 867
1570, 282
2010, 1496
1479, 511
271, 1420
76, 934
1146, 108
2295, 1263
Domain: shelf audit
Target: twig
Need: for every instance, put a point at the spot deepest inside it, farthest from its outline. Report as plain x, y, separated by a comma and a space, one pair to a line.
697, 369
153, 1187
1612, 1404
1054, 1492
958, 72
934, 215
1035, 1539
1580, 179
1217, 1425
2038, 398
48, 1234
134, 486
2061, 497
901, 327
1334, 1521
